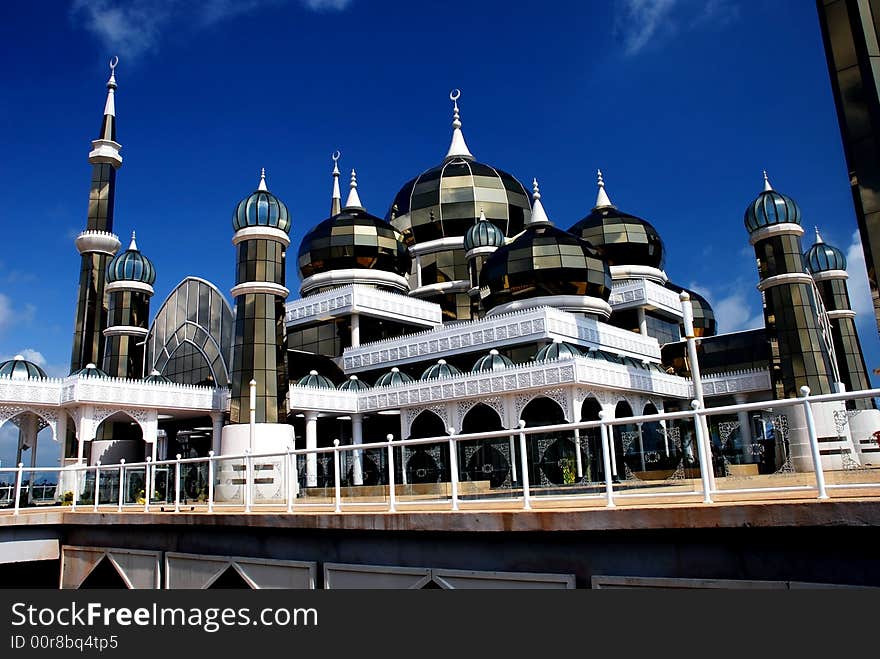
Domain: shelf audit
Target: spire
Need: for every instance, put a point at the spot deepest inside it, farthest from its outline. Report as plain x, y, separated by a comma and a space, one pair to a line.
457, 148
353, 201
133, 246
602, 200
767, 186
262, 185
105, 149
336, 199
819, 240
538, 214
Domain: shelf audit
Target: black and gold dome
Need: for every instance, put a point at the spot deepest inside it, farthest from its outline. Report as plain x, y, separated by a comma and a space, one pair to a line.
445, 201
704, 316
544, 260
623, 239
353, 239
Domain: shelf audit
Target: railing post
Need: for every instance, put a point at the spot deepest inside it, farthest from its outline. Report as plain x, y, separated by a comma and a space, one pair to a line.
604, 433
337, 485
121, 485
248, 480
19, 473
97, 485
702, 449
149, 469
75, 486
177, 483
814, 444
211, 481
453, 466
524, 467
291, 478
391, 502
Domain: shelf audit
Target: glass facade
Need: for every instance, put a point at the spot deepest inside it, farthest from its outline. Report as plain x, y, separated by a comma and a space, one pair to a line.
195, 318
738, 351
91, 312
260, 260
850, 31
544, 260
123, 354
621, 238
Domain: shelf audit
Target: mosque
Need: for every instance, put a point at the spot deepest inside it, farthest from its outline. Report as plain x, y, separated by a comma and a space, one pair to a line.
467, 308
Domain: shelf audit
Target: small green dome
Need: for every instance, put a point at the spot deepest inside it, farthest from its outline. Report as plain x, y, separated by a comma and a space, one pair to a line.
261, 208
557, 350
494, 361
91, 371
353, 384
483, 234
769, 208
440, 370
316, 381
19, 368
822, 257
131, 265
392, 378
156, 376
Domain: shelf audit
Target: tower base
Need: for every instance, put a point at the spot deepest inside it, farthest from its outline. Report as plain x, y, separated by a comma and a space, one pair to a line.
268, 475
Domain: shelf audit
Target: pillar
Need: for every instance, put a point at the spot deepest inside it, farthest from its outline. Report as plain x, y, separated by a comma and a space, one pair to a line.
355, 330
643, 321
745, 428
216, 431
357, 432
311, 443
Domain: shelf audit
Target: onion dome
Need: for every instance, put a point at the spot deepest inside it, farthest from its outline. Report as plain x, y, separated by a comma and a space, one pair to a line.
704, 317
602, 355
353, 384
541, 261
353, 239
557, 350
316, 381
156, 376
392, 378
131, 265
261, 209
19, 368
494, 361
483, 234
771, 207
445, 200
439, 370
822, 257
621, 238
91, 371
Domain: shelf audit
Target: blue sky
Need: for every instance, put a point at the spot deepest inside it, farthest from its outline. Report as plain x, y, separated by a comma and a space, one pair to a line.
681, 103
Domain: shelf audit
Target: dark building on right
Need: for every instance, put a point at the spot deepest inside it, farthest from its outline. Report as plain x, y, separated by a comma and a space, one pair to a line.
850, 32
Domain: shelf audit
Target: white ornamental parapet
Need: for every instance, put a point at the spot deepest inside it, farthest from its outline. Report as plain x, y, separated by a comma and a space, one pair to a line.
357, 298
631, 293
720, 384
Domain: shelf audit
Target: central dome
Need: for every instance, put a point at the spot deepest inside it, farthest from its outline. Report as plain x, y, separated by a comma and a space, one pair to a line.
353, 239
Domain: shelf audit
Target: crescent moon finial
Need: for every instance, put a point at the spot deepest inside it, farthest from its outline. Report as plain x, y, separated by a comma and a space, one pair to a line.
454, 94
113, 62
335, 155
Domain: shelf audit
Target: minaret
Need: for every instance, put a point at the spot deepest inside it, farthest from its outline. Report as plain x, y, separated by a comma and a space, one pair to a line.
827, 264
480, 242
800, 354
97, 244
130, 278
261, 222
336, 200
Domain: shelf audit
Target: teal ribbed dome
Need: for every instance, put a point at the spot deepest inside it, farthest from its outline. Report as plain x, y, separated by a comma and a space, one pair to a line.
261, 209
494, 361
353, 384
131, 265
439, 370
557, 350
91, 371
393, 378
822, 257
19, 368
156, 376
313, 379
769, 208
483, 234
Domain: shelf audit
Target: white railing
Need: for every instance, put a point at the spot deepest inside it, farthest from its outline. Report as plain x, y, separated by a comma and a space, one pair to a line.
732, 382
493, 331
633, 293
274, 481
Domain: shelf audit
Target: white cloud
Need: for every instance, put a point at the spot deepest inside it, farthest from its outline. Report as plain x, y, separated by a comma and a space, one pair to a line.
639, 22
735, 308
34, 356
5, 311
10, 314
859, 289
136, 27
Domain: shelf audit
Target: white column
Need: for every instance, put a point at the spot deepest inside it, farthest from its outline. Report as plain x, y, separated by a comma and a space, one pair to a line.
641, 447
577, 454
311, 443
643, 322
357, 438
355, 330
216, 431
86, 430
745, 428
